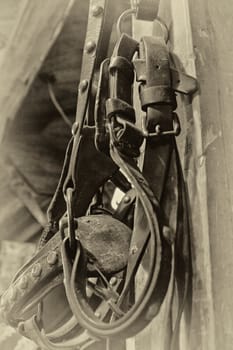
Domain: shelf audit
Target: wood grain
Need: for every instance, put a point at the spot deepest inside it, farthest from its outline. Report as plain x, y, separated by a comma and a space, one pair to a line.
176, 16
36, 30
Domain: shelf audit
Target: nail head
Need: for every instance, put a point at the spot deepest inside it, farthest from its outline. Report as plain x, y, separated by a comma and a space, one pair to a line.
96, 10
90, 46
52, 258
36, 270
23, 282
83, 85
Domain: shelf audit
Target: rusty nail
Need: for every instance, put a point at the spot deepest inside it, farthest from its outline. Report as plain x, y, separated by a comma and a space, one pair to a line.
36, 270
90, 46
96, 10
83, 85
52, 258
23, 283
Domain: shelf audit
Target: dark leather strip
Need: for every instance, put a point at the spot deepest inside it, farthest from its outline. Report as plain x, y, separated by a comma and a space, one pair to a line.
153, 51
147, 9
121, 63
147, 231
101, 133
155, 95
116, 106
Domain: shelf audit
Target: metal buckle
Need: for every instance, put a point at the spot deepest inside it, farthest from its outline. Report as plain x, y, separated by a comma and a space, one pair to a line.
144, 132
158, 131
123, 16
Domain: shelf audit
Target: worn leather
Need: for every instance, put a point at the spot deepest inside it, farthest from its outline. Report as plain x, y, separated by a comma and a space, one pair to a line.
104, 246
148, 223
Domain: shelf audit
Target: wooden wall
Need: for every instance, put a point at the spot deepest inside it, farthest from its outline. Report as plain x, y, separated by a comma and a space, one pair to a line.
9, 11
201, 39
212, 28
35, 138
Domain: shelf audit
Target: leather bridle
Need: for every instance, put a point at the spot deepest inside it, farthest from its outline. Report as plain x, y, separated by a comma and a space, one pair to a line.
92, 257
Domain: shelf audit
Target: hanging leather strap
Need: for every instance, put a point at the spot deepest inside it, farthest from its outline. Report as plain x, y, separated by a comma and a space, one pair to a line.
100, 20
125, 141
166, 178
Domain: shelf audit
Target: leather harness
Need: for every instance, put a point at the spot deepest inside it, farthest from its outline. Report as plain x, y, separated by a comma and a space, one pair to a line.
91, 259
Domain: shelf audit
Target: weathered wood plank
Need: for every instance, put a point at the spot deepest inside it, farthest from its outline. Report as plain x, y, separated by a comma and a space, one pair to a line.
62, 65
212, 28
175, 14
9, 11
38, 26
202, 332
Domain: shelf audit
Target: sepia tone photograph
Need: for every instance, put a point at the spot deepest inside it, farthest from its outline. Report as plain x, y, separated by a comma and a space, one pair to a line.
116, 191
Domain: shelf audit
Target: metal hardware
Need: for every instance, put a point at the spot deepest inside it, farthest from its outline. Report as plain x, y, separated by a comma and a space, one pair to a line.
126, 199
36, 270
90, 47
160, 30
98, 314
83, 85
96, 11
158, 131
122, 18
113, 281
52, 258
23, 283
134, 250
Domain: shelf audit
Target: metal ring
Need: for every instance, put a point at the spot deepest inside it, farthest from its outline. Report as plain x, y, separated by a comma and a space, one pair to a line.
122, 17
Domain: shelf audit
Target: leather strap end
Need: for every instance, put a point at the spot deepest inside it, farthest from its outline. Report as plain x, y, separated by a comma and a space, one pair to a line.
147, 10
122, 64
116, 106
155, 95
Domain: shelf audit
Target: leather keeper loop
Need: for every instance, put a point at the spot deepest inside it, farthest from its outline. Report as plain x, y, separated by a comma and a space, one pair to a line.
129, 139
116, 106
147, 10
123, 65
155, 95
130, 133
140, 69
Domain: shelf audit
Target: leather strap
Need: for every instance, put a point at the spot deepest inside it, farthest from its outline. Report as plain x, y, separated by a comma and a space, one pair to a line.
160, 218
147, 10
166, 177
148, 230
92, 56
